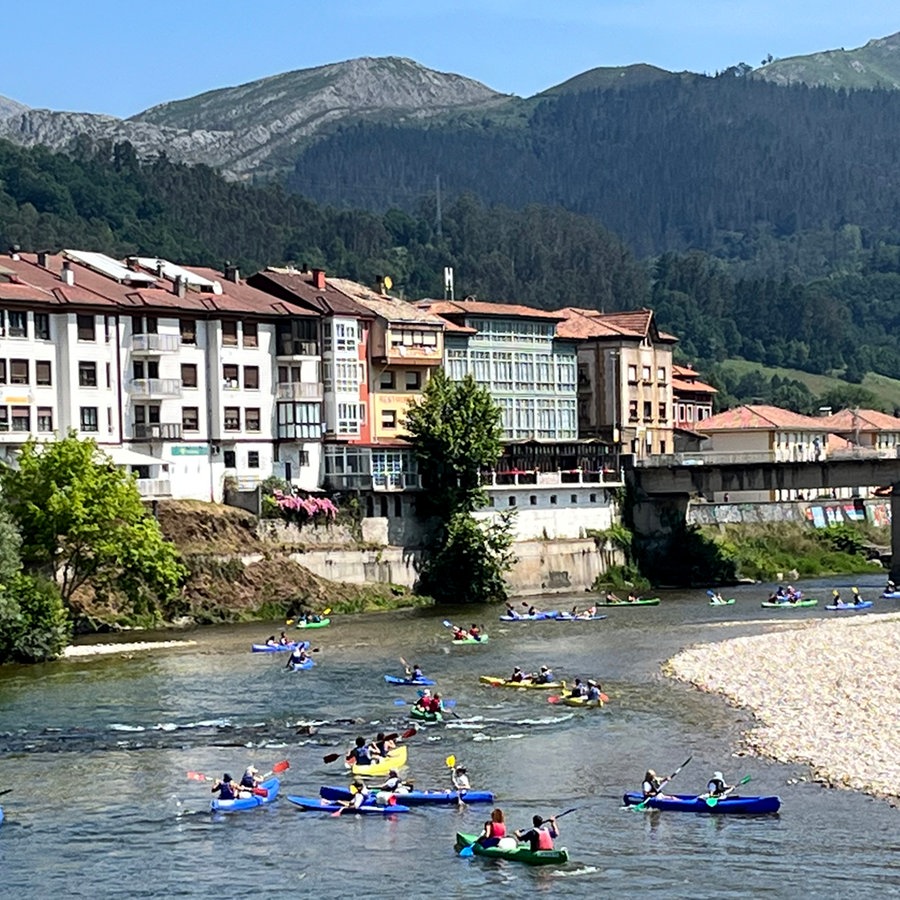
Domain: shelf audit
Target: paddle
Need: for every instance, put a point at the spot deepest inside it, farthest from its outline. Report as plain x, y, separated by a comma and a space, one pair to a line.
7, 791
643, 804
450, 762
712, 801
331, 757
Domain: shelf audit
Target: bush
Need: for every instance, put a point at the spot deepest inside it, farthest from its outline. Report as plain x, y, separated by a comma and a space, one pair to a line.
33, 622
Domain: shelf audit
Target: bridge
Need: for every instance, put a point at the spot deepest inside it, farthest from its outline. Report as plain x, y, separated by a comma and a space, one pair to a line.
662, 487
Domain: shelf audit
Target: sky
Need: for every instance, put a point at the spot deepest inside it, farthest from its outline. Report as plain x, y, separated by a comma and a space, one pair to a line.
120, 57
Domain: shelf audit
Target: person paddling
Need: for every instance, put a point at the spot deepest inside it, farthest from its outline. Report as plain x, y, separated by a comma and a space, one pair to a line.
545, 676
518, 675
249, 780
578, 689
541, 834
612, 598
716, 786
494, 829
360, 753
460, 779
225, 788
415, 673
284, 640
594, 691
298, 657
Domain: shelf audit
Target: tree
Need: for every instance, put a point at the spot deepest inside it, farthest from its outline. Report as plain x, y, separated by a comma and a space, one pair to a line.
455, 433
10, 541
83, 524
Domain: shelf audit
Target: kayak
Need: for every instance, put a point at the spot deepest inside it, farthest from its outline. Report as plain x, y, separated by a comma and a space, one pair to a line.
393, 679
728, 602
279, 648
319, 804
299, 667
517, 853
470, 640
647, 601
494, 681
568, 617
775, 604
426, 715
382, 767
1, 815
415, 798
891, 595
865, 604
271, 785
583, 702
534, 617
748, 806
323, 623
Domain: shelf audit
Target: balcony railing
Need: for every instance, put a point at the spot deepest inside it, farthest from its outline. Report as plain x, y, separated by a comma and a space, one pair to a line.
155, 388
155, 343
288, 348
158, 432
154, 487
535, 478
299, 390
398, 482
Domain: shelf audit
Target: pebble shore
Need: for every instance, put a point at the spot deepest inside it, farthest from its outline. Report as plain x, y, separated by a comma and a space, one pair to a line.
824, 693
104, 649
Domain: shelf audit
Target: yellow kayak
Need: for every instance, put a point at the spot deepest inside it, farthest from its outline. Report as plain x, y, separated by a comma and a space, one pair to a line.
583, 702
394, 759
494, 681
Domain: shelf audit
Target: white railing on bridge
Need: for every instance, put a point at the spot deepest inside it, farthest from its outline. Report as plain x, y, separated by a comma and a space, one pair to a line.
536, 478
750, 457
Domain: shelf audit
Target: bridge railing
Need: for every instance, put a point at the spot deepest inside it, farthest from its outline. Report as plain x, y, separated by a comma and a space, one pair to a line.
749, 457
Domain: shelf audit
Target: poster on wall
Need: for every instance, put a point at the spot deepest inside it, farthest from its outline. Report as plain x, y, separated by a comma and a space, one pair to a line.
879, 514
817, 514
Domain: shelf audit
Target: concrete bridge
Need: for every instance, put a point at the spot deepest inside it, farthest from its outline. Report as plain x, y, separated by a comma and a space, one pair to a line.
662, 489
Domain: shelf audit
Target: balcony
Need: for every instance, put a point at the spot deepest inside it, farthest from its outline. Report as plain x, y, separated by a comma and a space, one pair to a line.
154, 487
152, 344
294, 349
154, 388
157, 432
414, 355
299, 390
380, 483
607, 476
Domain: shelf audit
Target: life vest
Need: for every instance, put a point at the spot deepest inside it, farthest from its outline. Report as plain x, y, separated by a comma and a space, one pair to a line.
545, 841
226, 792
715, 787
496, 829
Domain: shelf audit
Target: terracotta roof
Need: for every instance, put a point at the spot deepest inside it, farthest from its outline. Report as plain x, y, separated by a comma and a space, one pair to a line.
696, 387
761, 418
684, 371
297, 287
836, 443
847, 421
389, 308
481, 308
588, 323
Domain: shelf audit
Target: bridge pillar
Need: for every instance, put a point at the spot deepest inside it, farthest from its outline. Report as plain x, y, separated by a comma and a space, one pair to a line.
895, 534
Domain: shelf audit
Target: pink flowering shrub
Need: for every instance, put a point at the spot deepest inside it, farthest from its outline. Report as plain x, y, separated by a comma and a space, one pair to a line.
318, 510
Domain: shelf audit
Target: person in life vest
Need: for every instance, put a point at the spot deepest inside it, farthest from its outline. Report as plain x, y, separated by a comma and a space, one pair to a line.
297, 657
717, 787
249, 780
284, 640
518, 674
511, 611
541, 835
424, 701
361, 794
415, 672
395, 784
225, 788
545, 676
382, 746
494, 829
459, 634
475, 632
436, 705
594, 691
578, 689
460, 779
271, 641
652, 784
360, 753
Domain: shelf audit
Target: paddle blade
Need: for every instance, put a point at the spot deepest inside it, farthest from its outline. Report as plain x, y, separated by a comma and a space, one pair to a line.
409, 733
261, 792
399, 702
282, 766
447, 624
326, 611
288, 621
198, 776
334, 815
330, 757
604, 697
710, 593
554, 699
450, 761
449, 704
467, 851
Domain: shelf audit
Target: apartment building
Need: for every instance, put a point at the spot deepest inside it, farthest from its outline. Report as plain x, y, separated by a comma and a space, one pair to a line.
691, 397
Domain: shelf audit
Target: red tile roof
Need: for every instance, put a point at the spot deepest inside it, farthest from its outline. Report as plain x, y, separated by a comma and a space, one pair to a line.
581, 324
298, 287
761, 418
457, 308
847, 421
696, 387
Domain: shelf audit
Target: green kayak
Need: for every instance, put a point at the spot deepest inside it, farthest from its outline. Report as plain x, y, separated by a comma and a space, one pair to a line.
774, 604
518, 853
645, 601
322, 623
423, 715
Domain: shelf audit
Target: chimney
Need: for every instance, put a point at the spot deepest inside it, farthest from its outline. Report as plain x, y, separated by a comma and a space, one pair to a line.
14, 251
42, 259
67, 275
132, 263
232, 273
160, 269
179, 288
318, 279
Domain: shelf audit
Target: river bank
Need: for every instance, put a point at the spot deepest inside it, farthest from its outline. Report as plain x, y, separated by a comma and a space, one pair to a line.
824, 694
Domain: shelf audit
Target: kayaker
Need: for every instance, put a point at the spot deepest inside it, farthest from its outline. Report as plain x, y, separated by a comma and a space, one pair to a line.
632, 597
271, 641
436, 705
298, 656
475, 632
415, 673
511, 611
459, 634
532, 611
716, 786
717, 597
545, 676
284, 639
793, 594
494, 829
249, 780
578, 689
360, 794
315, 617
652, 784
518, 675
594, 690
890, 587
225, 788
395, 784
589, 613
541, 834
382, 746
424, 701
612, 598
460, 779
836, 594
360, 754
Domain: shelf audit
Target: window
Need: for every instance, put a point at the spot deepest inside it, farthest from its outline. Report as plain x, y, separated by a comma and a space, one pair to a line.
593, 498
574, 499
632, 374
109, 422
503, 371
648, 409
18, 371
146, 325
645, 373
253, 459
346, 335
232, 418
389, 418
632, 410
512, 501
107, 328
42, 326
661, 374
18, 324
108, 375
230, 458
4, 410
553, 499
44, 419
42, 372
252, 419
21, 418
524, 371
533, 500
86, 327
386, 381
230, 377
89, 419
189, 375
663, 412
251, 334
251, 378
349, 418
346, 377
662, 446
229, 334
87, 374
2, 371
188, 328
190, 418
413, 381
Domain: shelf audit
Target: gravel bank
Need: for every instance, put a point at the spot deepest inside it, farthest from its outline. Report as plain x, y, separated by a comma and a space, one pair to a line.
825, 694
104, 649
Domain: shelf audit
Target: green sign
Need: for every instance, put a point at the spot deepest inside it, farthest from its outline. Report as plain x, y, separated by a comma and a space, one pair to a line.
191, 450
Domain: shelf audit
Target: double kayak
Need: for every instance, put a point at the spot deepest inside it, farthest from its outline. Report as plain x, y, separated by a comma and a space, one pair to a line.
532, 617
271, 786
306, 664
426, 715
322, 623
551, 617
787, 604
646, 601
483, 639
415, 798
583, 702
747, 806
393, 679
279, 648
864, 604
382, 767
568, 617
319, 804
510, 849
495, 681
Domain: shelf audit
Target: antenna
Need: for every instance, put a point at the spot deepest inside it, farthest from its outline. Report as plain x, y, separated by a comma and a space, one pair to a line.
448, 282
437, 191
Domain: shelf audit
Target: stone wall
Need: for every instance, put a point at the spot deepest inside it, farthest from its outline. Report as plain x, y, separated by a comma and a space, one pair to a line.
818, 512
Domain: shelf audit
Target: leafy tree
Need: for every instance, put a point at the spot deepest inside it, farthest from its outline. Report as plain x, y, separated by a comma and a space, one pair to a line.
34, 626
83, 524
10, 541
455, 431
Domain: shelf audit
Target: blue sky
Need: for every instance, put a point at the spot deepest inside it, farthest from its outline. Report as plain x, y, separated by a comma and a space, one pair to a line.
120, 57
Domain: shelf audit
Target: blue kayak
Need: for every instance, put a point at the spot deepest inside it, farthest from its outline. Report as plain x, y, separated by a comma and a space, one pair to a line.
864, 605
271, 785
316, 804
891, 595
747, 806
393, 679
535, 617
415, 798
307, 664
568, 617
1, 815
278, 648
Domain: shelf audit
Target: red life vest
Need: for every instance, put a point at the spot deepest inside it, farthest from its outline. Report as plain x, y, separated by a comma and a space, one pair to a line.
545, 841
496, 829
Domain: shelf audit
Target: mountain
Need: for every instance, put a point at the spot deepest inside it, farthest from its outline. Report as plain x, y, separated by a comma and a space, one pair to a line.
255, 129
876, 65
10, 107
615, 77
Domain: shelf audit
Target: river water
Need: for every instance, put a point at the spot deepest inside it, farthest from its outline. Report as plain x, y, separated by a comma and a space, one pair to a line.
96, 750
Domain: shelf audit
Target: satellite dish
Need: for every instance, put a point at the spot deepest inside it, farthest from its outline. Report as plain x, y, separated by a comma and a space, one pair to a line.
388, 282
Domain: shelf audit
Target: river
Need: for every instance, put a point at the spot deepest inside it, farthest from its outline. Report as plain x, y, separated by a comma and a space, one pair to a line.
96, 751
